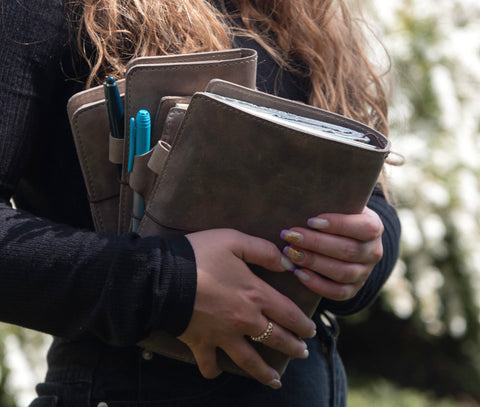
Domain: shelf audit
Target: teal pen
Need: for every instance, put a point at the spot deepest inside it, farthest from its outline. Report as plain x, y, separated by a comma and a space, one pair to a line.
140, 130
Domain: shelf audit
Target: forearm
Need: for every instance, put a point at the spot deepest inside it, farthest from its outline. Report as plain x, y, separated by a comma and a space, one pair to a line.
64, 281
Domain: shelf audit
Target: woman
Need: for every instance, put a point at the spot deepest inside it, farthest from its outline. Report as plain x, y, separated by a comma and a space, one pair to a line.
100, 294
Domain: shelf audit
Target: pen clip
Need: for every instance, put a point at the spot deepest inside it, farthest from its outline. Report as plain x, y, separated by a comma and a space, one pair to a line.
131, 150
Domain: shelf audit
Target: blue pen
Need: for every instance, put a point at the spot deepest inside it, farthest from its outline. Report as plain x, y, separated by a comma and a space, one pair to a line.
140, 129
116, 114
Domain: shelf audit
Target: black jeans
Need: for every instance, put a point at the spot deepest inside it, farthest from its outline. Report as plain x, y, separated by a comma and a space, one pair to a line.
88, 373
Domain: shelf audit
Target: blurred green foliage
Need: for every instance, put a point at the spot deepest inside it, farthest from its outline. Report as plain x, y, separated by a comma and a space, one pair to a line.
381, 393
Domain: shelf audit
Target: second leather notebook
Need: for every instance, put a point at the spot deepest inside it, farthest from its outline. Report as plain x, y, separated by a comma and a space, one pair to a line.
257, 163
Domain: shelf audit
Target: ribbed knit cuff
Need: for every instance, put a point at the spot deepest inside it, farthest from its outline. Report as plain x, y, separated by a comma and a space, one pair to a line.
178, 306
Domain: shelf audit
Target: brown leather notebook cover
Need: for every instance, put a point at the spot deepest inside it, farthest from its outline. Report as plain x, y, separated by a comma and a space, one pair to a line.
150, 79
229, 167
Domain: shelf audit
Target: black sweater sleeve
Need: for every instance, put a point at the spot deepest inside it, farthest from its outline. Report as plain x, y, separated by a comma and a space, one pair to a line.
56, 278
381, 272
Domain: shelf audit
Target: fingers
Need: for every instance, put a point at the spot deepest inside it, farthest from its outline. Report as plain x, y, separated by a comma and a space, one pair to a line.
335, 256
346, 272
331, 278
260, 252
329, 253
365, 226
243, 355
247, 358
286, 313
248, 248
276, 337
328, 288
277, 306
340, 259
348, 238
335, 247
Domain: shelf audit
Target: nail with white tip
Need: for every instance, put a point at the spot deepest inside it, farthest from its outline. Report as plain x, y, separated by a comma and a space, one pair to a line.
301, 275
275, 384
318, 223
287, 263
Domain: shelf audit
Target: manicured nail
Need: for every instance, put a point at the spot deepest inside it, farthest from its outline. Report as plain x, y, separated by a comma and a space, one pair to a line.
301, 275
292, 254
318, 223
290, 236
275, 384
287, 263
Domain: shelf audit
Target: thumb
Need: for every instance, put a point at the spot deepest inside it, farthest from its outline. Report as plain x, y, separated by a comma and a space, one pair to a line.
263, 253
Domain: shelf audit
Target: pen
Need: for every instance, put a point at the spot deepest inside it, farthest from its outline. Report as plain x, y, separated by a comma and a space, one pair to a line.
115, 110
140, 129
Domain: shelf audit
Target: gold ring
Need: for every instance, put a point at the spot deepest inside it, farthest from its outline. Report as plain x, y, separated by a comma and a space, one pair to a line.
265, 335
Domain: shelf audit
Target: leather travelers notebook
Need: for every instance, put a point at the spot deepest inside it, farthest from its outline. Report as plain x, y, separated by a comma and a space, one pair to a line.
148, 80
151, 79
259, 166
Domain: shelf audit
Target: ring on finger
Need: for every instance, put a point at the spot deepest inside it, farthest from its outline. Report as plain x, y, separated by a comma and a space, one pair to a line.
264, 335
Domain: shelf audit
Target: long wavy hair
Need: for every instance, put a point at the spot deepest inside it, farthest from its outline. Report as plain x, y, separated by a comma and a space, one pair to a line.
322, 34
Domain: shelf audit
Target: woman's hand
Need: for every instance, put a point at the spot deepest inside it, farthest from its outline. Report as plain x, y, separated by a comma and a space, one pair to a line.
337, 253
232, 303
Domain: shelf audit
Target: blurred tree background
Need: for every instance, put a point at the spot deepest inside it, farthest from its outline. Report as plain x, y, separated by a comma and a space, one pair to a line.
419, 343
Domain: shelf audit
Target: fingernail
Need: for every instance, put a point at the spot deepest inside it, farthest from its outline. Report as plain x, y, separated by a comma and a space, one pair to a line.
292, 254
318, 223
314, 334
290, 236
275, 384
301, 275
287, 263
306, 353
